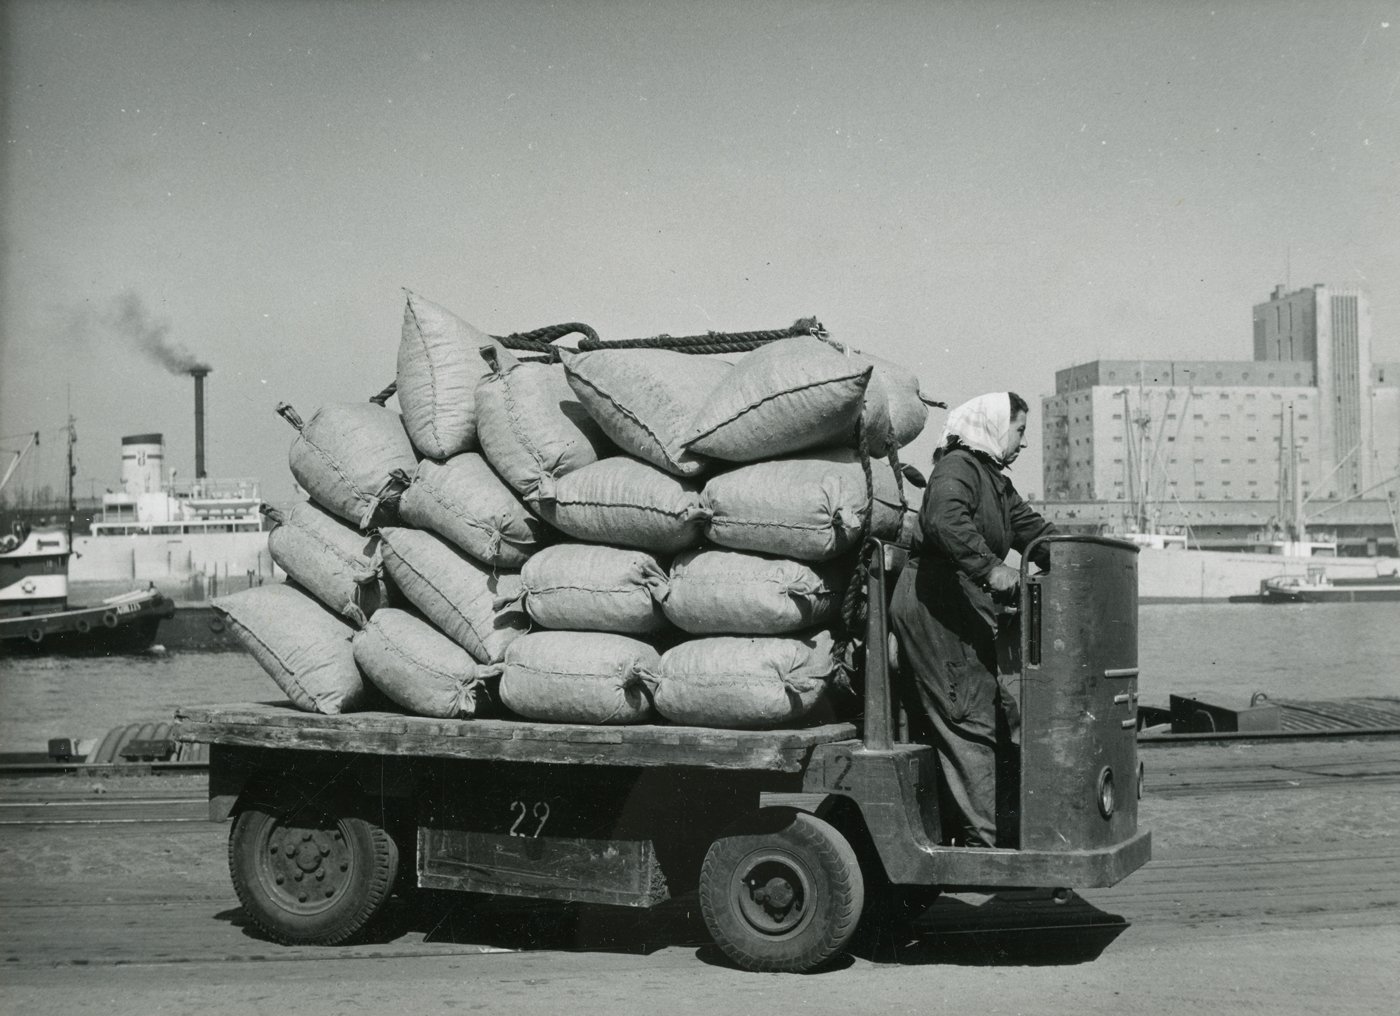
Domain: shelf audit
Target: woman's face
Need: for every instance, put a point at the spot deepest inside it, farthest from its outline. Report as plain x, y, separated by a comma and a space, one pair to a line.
1018, 436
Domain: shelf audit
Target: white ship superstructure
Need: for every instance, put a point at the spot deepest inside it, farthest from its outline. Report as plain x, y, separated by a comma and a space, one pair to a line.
156, 528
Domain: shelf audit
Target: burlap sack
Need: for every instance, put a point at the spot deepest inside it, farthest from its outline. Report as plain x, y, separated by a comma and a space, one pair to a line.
303, 647
714, 591
788, 396
454, 591
531, 427
746, 682
330, 559
900, 387
644, 399
578, 677
627, 503
420, 669
806, 507
588, 587
464, 501
346, 454
439, 367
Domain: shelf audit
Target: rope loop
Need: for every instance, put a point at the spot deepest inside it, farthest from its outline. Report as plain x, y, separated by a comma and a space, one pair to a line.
541, 340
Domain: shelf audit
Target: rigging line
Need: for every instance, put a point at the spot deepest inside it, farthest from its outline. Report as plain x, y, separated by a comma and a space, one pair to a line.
1357, 495
1333, 473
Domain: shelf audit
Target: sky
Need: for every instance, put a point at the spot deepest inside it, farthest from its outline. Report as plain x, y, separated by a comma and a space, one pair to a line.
986, 192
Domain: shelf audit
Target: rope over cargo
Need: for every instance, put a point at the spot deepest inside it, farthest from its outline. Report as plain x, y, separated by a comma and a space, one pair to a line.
713, 342
853, 605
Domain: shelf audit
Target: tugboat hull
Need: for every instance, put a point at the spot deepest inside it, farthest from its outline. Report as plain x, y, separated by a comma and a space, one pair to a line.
123, 624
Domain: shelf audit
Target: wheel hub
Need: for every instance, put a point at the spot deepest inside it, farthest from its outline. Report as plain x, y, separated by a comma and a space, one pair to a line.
772, 894
305, 869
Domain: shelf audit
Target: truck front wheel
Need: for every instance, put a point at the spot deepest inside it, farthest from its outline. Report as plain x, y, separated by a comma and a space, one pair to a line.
309, 874
781, 891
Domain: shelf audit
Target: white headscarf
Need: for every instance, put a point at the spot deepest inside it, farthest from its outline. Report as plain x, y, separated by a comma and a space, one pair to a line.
984, 425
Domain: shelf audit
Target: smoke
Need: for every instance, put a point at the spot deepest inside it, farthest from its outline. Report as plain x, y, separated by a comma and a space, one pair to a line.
127, 320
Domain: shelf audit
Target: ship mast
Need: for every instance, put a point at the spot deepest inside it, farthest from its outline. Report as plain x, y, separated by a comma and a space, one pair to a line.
1135, 427
72, 472
1299, 527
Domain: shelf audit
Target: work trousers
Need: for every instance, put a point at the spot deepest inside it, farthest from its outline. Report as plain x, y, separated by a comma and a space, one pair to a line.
960, 686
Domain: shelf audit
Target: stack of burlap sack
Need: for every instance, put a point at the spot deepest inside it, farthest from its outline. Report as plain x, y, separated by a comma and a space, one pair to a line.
630, 535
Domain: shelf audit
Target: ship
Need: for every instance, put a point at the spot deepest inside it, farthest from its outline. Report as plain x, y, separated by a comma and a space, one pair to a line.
1171, 570
35, 615
157, 528
195, 536
1319, 587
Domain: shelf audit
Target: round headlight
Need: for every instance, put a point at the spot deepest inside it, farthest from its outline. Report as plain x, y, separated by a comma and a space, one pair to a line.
1106, 792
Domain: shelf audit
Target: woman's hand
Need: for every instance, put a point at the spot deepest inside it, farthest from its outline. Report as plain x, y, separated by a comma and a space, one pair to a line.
1003, 579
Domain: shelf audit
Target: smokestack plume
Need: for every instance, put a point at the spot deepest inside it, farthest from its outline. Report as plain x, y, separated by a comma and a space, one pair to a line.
199, 374
127, 318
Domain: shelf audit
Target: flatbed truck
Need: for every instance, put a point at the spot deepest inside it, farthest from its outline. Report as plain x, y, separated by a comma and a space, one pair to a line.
333, 814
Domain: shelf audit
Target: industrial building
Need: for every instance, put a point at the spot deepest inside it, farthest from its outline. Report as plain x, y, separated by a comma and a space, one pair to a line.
1218, 446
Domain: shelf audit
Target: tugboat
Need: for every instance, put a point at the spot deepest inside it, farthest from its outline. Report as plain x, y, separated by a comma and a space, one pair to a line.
35, 616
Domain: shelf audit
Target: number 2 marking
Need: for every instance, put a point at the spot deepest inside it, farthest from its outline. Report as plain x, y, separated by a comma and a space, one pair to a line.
844, 762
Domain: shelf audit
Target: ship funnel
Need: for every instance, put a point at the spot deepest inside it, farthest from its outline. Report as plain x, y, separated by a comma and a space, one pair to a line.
143, 459
199, 374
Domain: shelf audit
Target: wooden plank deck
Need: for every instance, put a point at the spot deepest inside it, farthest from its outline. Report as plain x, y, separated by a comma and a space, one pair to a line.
280, 725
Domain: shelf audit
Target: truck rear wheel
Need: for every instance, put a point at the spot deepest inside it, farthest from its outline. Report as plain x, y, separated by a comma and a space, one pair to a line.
781, 891
308, 874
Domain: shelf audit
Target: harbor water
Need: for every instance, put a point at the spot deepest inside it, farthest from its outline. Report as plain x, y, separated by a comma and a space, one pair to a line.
1217, 651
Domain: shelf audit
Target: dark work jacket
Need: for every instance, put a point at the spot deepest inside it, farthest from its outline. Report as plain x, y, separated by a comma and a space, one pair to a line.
970, 520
